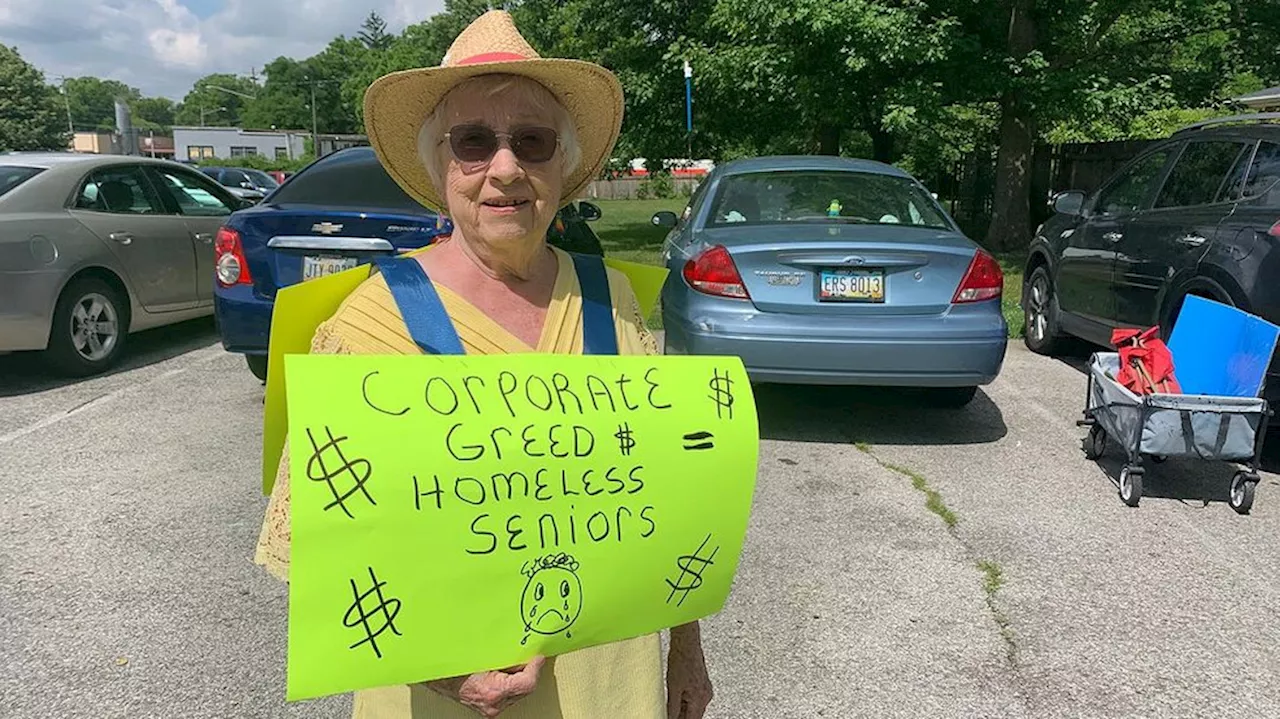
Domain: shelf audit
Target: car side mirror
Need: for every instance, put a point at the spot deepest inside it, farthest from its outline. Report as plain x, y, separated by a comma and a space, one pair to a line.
1070, 202
589, 212
665, 219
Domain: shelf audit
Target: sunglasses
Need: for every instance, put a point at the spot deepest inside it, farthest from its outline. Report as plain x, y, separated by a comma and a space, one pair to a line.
477, 143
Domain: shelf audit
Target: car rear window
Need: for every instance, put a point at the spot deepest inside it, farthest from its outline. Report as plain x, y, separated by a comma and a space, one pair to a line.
262, 178
824, 196
11, 176
1200, 173
355, 180
1263, 180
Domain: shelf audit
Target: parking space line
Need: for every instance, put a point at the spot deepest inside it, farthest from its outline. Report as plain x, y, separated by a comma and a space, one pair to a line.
196, 359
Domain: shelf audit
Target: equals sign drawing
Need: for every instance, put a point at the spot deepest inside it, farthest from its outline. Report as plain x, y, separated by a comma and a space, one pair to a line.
698, 441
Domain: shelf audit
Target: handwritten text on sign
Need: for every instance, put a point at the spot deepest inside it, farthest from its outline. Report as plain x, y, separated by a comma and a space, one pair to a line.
457, 514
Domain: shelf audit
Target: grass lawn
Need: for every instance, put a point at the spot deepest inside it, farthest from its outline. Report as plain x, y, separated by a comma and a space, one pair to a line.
1013, 264
626, 229
627, 233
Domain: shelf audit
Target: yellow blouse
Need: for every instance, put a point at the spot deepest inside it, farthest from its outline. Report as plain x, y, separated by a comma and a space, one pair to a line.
616, 681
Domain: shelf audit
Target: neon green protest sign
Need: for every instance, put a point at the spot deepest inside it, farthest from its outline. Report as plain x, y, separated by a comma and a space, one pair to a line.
458, 514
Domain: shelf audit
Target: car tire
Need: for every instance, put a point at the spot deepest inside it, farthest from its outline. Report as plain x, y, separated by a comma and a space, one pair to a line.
950, 397
1041, 331
257, 365
77, 350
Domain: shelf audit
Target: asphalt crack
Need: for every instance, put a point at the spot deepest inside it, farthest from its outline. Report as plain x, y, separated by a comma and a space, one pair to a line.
993, 575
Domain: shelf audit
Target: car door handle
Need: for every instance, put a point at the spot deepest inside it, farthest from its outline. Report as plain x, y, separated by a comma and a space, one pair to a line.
205, 237
1192, 240
1113, 237
123, 238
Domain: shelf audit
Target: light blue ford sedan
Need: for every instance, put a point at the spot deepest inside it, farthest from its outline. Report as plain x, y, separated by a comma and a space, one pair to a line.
832, 271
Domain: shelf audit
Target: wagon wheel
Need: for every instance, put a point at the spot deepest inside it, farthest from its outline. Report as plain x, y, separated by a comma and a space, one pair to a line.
1096, 443
1130, 485
1243, 487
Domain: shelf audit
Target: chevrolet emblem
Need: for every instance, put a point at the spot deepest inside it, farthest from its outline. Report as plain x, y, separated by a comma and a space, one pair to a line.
326, 228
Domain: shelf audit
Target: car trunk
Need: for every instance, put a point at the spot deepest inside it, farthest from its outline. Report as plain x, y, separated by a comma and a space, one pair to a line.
874, 270
287, 244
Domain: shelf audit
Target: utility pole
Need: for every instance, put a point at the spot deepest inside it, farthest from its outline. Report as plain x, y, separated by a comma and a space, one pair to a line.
66, 98
315, 137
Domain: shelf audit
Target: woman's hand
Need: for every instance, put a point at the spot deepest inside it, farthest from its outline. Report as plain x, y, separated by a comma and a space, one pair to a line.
489, 693
688, 685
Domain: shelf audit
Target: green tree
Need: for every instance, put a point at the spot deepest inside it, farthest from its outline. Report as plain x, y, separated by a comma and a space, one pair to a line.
216, 100
30, 116
1098, 69
93, 101
342, 59
283, 101
155, 113
374, 33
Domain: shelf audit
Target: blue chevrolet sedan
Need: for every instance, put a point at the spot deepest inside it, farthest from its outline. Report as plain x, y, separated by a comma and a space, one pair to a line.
827, 270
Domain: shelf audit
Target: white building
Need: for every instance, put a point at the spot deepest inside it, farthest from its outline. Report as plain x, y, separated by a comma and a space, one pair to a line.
203, 143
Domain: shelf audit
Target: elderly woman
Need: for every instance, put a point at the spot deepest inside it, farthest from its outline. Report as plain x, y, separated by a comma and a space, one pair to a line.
501, 139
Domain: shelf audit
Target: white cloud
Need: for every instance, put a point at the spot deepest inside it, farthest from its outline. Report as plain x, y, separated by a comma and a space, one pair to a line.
162, 47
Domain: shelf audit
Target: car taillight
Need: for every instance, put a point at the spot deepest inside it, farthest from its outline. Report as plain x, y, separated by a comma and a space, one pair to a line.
712, 272
230, 265
984, 280
1275, 230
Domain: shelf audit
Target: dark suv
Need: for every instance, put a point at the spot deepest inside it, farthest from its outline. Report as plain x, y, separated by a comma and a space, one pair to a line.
1197, 214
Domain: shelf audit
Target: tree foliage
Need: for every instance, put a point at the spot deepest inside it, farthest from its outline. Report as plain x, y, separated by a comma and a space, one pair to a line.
374, 33
30, 117
93, 101
930, 85
217, 100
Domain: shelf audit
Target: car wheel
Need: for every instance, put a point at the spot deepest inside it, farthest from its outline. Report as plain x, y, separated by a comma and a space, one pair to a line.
257, 365
1040, 324
90, 326
950, 397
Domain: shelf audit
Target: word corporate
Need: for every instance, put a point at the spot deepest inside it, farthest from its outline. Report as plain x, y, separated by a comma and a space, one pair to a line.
524, 393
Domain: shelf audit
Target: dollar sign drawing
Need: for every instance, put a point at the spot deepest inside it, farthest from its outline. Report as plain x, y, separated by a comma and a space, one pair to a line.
358, 617
358, 471
691, 568
626, 439
722, 394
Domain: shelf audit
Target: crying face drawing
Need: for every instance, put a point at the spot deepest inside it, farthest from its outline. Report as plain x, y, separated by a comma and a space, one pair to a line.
552, 597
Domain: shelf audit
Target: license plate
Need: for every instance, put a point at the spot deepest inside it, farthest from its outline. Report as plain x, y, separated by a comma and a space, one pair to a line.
851, 285
314, 267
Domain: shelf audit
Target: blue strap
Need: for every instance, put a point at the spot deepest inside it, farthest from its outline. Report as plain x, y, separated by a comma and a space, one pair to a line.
429, 325
598, 334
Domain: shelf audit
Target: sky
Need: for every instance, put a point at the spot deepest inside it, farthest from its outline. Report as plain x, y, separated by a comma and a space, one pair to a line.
162, 47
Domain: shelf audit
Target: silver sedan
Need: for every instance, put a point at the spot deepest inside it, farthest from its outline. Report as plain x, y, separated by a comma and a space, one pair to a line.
95, 247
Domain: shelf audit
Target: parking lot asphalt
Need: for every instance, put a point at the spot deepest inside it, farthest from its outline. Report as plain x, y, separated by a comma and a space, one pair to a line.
129, 506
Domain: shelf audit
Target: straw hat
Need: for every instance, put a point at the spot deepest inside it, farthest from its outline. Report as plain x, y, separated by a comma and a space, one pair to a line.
396, 105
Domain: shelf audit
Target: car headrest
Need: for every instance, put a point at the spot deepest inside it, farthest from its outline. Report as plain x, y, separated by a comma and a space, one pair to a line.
116, 195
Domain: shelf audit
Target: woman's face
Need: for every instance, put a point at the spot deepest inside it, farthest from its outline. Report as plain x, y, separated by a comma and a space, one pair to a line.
505, 201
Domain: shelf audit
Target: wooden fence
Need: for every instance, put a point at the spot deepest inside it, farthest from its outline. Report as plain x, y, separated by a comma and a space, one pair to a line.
628, 188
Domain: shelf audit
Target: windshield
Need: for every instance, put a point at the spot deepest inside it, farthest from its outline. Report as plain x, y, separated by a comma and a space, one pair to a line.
262, 179
12, 176
824, 196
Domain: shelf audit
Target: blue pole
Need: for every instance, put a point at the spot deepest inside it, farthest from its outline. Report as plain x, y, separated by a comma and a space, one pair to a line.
688, 104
